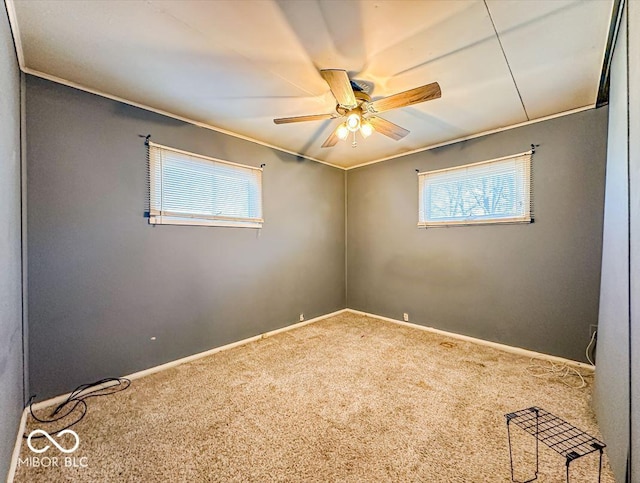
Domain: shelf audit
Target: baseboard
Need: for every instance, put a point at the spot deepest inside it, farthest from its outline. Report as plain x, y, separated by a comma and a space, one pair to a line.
199, 355
152, 370
495, 345
177, 362
168, 365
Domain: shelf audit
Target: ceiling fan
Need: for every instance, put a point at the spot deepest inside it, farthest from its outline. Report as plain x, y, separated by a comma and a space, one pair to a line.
360, 111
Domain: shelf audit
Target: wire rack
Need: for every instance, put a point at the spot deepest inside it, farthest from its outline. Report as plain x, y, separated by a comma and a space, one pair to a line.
556, 433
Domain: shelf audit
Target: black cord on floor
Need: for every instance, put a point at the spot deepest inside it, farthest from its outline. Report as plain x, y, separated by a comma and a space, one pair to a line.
77, 398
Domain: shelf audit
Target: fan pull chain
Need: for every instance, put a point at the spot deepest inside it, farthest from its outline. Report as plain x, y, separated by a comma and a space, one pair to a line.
354, 144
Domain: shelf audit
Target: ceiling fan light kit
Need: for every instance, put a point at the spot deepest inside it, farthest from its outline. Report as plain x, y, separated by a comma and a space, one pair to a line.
353, 124
360, 112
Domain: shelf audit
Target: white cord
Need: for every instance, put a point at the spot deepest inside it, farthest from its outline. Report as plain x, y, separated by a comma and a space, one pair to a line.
586, 352
552, 369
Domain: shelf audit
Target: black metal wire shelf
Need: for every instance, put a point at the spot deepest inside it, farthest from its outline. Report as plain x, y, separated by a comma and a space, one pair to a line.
556, 433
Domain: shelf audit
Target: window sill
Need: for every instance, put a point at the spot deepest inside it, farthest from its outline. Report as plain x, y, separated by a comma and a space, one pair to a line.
174, 220
445, 224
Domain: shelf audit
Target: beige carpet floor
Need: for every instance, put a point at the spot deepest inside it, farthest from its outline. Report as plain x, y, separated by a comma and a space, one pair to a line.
348, 398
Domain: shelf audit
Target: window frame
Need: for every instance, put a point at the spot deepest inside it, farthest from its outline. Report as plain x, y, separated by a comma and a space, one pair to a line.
527, 201
157, 216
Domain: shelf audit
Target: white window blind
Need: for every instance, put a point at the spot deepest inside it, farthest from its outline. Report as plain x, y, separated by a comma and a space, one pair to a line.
495, 191
189, 189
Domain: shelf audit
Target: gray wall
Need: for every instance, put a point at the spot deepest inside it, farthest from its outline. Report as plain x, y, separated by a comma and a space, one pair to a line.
634, 203
102, 281
620, 289
534, 286
11, 367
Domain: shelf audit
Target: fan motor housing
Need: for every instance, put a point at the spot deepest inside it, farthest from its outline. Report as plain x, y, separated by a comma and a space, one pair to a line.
361, 97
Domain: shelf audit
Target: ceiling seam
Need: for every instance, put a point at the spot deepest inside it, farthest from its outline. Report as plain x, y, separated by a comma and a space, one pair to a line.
515, 84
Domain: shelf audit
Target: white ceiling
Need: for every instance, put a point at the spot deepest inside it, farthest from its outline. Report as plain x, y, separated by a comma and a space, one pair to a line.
236, 65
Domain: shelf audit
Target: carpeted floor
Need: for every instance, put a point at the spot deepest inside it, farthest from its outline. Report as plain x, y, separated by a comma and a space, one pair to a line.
348, 398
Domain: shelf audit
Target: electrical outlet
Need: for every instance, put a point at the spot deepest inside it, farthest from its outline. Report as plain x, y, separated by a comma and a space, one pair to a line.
592, 328
301, 317
405, 317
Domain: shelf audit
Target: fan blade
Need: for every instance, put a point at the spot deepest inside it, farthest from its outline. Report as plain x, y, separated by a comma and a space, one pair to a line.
313, 117
331, 141
406, 98
340, 86
388, 128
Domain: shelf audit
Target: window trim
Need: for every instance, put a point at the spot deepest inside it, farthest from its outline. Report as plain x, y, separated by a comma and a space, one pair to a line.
158, 217
527, 218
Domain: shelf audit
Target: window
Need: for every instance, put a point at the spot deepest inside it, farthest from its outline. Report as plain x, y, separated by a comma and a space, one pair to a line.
496, 191
189, 189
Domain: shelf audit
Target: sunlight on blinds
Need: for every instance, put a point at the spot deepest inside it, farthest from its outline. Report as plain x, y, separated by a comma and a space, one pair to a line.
186, 188
495, 191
